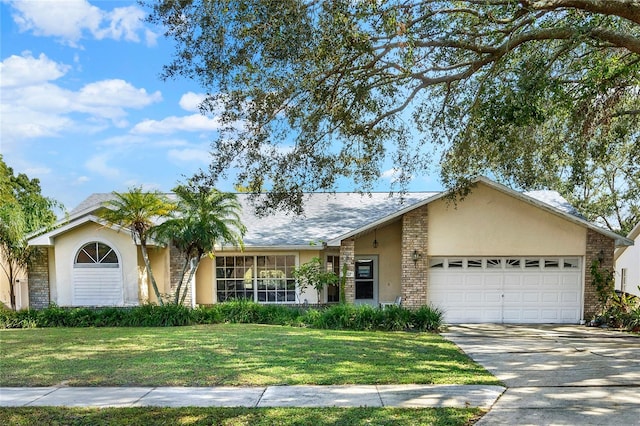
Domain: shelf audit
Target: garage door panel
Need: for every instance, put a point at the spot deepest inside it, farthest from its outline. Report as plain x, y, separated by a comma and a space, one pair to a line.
530, 297
511, 295
570, 297
550, 298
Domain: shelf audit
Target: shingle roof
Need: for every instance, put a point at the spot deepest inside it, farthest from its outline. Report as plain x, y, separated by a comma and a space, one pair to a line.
327, 215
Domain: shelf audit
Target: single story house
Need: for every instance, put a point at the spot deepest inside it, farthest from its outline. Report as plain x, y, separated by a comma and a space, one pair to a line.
496, 256
627, 260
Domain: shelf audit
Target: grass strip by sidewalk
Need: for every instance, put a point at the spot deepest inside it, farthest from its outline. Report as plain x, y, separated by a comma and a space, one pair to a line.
231, 355
28, 416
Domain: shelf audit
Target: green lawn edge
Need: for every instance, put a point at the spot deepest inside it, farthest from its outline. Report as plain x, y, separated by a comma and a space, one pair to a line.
196, 416
230, 355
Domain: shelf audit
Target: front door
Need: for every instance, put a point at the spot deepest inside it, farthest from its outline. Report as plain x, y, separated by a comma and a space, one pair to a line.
366, 280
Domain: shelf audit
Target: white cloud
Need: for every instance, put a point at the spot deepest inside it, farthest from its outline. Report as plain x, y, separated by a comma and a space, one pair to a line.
70, 20
189, 155
190, 101
25, 70
98, 165
188, 123
32, 106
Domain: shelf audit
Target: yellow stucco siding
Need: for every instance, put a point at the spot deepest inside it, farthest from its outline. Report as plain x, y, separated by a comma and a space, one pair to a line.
205, 280
389, 262
68, 244
491, 223
21, 288
159, 259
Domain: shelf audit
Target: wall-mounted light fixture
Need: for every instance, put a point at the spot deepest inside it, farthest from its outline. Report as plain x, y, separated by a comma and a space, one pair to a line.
601, 256
416, 255
375, 238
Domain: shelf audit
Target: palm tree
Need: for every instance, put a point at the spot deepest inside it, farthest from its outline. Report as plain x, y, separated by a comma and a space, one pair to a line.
205, 217
139, 212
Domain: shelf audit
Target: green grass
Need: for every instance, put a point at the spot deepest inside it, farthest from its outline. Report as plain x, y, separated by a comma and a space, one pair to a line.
236, 416
229, 354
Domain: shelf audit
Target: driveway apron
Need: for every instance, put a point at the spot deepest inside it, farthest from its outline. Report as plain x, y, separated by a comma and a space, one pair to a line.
557, 374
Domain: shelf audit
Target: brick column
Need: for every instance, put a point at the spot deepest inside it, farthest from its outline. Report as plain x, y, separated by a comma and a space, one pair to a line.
347, 257
38, 276
598, 246
414, 274
176, 263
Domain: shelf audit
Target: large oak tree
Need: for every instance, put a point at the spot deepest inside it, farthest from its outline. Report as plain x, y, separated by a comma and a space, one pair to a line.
535, 93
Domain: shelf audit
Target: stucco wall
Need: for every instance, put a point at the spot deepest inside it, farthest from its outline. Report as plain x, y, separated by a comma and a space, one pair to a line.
159, 259
66, 247
491, 223
21, 288
389, 258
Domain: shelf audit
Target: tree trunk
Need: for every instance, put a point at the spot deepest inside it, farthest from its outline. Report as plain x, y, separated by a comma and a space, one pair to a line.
192, 274
176, 296
147, 264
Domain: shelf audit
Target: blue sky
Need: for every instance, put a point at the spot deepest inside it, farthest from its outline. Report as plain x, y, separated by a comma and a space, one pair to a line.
82, 106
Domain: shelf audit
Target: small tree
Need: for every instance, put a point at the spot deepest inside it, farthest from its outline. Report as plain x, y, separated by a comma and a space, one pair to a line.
23, 209
203, 219
139, 212
312, 274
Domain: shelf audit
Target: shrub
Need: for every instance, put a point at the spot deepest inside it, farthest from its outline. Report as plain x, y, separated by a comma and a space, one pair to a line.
341, 316
207, 315
240, 311
396, 318
18, 319
427, 318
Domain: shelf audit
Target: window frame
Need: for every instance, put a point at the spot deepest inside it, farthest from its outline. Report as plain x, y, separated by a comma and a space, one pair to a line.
265, 287
97, 261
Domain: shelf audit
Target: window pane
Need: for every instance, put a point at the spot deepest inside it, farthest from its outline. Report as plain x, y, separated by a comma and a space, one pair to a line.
532, 263
436, 263
455, 263
95, 253
474, 263
494, 263
551, 263
512, 263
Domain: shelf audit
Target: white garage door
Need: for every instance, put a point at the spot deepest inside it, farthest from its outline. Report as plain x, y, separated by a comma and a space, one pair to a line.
507, 290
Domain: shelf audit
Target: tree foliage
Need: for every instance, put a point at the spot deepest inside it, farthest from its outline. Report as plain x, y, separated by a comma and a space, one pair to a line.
23, 210
203, 219
139, 211
536, 93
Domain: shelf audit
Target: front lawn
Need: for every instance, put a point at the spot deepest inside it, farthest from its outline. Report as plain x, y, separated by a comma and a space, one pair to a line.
28, 416
229, 354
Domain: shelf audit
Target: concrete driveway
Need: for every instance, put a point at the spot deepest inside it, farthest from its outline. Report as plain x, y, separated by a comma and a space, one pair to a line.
557, 374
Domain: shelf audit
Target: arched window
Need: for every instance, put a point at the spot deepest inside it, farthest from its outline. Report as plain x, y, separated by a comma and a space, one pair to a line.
96, 254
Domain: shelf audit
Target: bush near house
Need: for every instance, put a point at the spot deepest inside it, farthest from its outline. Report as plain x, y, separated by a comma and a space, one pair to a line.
342, 316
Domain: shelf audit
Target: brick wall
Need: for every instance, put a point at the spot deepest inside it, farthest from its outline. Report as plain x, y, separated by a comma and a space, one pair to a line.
347, 257
414, 274
39, 291
176, 263
598, 246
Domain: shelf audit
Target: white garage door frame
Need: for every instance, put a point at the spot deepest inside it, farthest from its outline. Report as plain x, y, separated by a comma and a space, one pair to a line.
97, 275
507, 289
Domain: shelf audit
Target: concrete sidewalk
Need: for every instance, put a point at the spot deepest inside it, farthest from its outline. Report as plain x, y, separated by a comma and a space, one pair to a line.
406, 396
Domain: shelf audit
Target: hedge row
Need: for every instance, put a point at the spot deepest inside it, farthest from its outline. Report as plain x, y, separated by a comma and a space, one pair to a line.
343, 316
